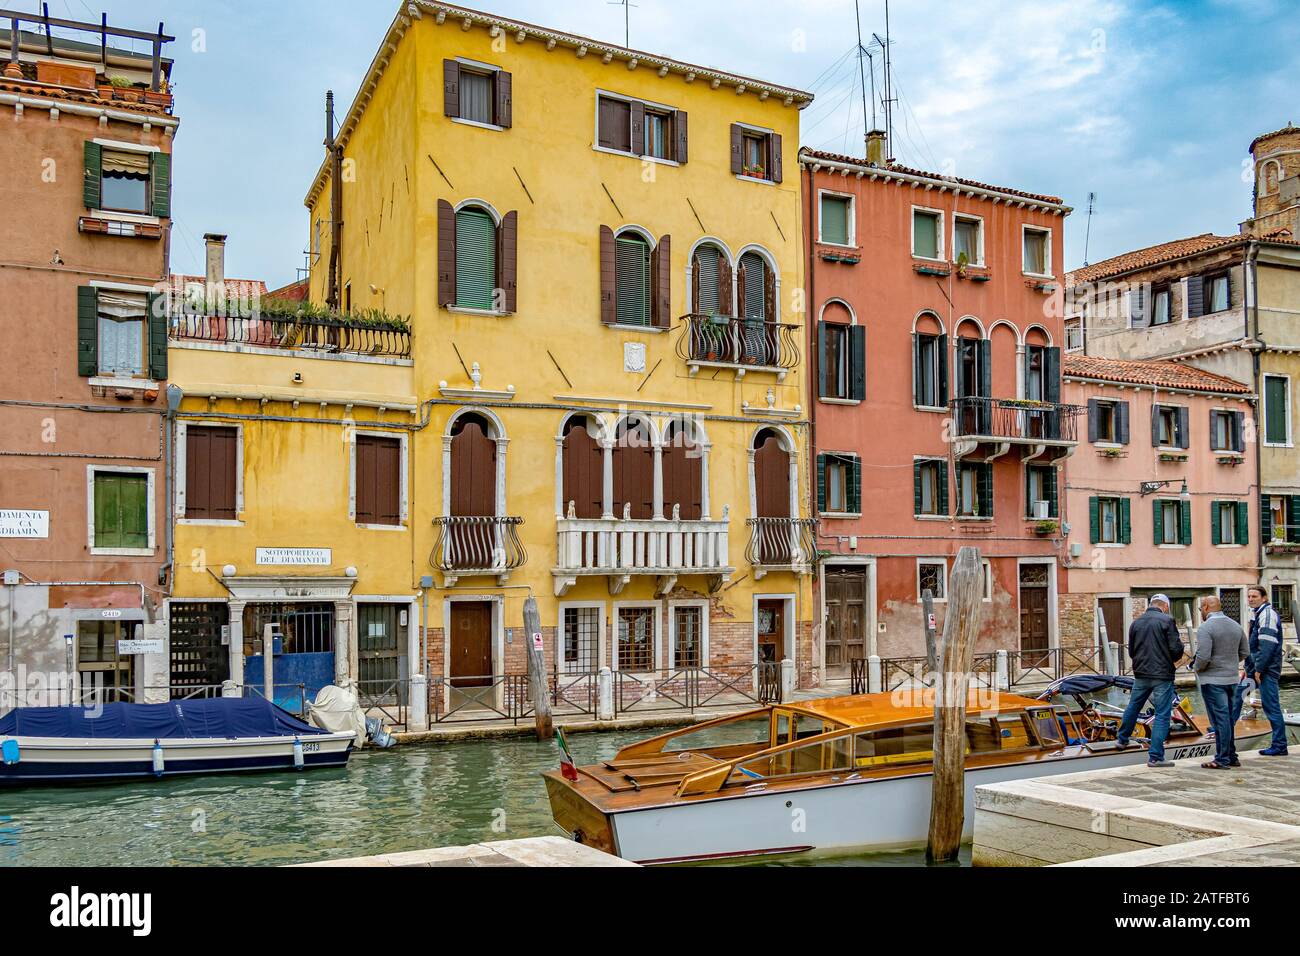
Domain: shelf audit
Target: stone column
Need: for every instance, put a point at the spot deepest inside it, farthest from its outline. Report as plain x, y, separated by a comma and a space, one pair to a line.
658, 512
874, 680
417, 714
236, 647
605, 694
609, 480
705, 453
345, 644
787, 680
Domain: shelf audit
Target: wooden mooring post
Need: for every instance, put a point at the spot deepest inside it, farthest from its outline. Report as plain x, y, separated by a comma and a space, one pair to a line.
537, 669
956, 655
931, 649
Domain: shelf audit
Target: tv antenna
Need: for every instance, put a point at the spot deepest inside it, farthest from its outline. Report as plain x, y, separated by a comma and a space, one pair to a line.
1087, 236
889, 100
627, 6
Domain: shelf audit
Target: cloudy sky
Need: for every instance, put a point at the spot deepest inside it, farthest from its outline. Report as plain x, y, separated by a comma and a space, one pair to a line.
1149, 105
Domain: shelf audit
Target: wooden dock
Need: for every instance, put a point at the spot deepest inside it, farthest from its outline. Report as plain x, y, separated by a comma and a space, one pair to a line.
1135, 816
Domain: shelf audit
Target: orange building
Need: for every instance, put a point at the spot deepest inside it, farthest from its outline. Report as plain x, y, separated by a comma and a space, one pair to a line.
937, 416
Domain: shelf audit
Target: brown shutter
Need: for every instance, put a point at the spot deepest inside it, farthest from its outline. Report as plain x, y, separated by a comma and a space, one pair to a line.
505, 104
683, 474
634, 475
473, 472
608, 314
695, 284
776, 173
740, 290
446, 253
508, 259
737, 149
637, 144
662, 283
724, 285
198, 454
769, 294
679, 136
388, 481
451, 87
223, 473
772, 480
210, 473
366, 506
584, 474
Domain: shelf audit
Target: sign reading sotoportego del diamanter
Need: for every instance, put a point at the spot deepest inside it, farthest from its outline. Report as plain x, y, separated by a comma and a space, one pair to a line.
294, 557
24, 524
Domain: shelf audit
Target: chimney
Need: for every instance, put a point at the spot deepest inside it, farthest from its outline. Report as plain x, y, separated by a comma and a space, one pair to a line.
215, 276
876, 147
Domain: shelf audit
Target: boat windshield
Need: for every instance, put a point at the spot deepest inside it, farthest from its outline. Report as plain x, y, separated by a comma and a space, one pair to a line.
754, 729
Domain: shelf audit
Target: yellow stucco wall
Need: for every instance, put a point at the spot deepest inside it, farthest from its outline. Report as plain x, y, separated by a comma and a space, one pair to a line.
1279, 291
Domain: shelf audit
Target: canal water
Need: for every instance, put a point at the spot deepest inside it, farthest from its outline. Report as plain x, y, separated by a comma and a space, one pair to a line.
410, 798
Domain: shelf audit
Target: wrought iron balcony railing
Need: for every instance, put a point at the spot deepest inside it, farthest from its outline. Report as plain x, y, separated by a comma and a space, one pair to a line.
739, 343
782, 543
476, 546
1004, 419
311, 334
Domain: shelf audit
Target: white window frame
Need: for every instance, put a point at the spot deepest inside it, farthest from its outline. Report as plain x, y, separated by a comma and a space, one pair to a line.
850, 214
1083, 333
937, 336
1029, 470
767, 180
1290, 435
182, 436
1101, 522
1114, 442
943, 563
988, 580
1175, 447
943, 472
979, 238
562, 607
656, 662
91, 471
845, 458
402, 483
1025, 229
703, 605
1178, 522
1237, 504
939, 236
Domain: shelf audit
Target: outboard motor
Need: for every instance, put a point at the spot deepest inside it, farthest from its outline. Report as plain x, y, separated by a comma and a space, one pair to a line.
377, 735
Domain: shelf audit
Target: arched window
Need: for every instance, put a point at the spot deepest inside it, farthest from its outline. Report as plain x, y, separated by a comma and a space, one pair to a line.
842, 354
974, 379
477, 258
756, 284
929, 362
633, 470
772, 498
683, 467
583, 476
473, 467
710, 282
632, 279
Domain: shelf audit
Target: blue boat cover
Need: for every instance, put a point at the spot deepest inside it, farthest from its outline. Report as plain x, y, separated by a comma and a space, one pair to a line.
1086, 684
219, 718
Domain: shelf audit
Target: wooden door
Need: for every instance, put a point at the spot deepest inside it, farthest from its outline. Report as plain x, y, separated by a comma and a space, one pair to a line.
683, 477
473, 544
1034, 634
1112, 612
846, 590
772, 489
471, 644
584, 473
771, 631
634, 470
380, 646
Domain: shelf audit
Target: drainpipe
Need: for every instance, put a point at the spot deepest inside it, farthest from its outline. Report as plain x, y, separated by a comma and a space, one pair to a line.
814, 395
174, 396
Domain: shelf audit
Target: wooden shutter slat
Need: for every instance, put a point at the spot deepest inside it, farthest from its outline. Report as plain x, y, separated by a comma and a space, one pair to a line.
1184, 427
508, 260
823, 363
680, 151
1265, 518
157, 321
637, 128
446, 253
661, 282
943, 371
584, 471
160, 181
505, 99
365, 480
198, 473
858, 363
1243, 522
776, 172
772, 480
1094, 423
608, 277
1094, 520
1121, 422
87, 331
1195, 288
93, 186
1125, 521
473, 472
737, 149
724, 287
451, 87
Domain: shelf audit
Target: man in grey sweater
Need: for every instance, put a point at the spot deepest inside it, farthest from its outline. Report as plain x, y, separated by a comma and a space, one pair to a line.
1221, 646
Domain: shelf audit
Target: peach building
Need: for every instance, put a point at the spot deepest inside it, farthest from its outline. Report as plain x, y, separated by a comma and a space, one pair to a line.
935, 333
1160, 496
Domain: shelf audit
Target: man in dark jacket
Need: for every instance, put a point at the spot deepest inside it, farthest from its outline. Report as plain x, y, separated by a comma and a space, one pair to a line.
1265, 665
1155, 649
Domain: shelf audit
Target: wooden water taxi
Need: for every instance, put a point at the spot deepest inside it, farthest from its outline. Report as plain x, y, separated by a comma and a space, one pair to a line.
843, 774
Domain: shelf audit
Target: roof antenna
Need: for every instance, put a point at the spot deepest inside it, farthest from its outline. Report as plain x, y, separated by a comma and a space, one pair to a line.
1087, 236
862, 77
627, 19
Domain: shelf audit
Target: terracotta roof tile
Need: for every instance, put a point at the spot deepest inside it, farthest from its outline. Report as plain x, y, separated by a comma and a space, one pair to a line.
907, 170
47, 92
245, 290
1150, 256
1161, 374
1288, 128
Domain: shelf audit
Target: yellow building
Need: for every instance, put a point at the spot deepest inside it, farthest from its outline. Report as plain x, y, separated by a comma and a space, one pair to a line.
604, 401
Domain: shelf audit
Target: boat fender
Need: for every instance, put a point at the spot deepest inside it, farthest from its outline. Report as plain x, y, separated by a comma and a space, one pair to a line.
9, 752
157, 758
297, 754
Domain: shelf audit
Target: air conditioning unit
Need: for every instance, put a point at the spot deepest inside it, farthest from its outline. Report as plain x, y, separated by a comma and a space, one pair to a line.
1042, 510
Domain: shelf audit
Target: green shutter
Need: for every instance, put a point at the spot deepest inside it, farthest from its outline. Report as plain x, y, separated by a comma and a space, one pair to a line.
1094, 519
857, 363
821, 484
916, 487
87, 331
1243, 523
121, 511
1157, 525
160, 178
157, 319
984, 488
1275, 410
1052, 494
855, 486
1265, 518
1185, 522
93, 186
942, 466
835, 220
823, 362
1125, 522
925, 235
1216, 536
476, 259
631, 282
1293, 521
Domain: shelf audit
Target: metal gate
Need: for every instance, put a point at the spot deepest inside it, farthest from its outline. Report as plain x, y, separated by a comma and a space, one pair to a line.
304, 662
381, 652
199, 658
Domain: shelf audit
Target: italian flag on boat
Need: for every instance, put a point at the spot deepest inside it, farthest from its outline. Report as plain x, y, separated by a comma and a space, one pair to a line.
567, 767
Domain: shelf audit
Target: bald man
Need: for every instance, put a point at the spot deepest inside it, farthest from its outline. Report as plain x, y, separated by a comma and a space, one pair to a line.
1221, 646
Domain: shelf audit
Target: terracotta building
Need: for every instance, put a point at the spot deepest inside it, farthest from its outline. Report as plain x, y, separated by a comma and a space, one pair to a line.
86, 131
938, 418
1160, 498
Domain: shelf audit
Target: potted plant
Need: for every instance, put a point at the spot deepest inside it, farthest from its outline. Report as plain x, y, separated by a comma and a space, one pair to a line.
755, 171
1113, 452
1045, 529
963, 261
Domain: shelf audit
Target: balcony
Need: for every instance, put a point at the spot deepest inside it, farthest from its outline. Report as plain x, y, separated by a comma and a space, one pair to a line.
346, 335
781, 544
985, 428
1285, 539
619, 548
740, 345
472, 547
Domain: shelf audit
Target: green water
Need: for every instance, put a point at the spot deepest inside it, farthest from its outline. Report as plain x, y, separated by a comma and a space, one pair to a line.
410, 798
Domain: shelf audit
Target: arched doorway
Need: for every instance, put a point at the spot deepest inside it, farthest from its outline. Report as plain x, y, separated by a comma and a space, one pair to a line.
473, 544
583, 469
634, 470
772, 498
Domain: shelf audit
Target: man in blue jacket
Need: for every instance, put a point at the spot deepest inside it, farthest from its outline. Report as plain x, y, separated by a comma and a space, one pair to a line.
1265, 663
1155, 648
